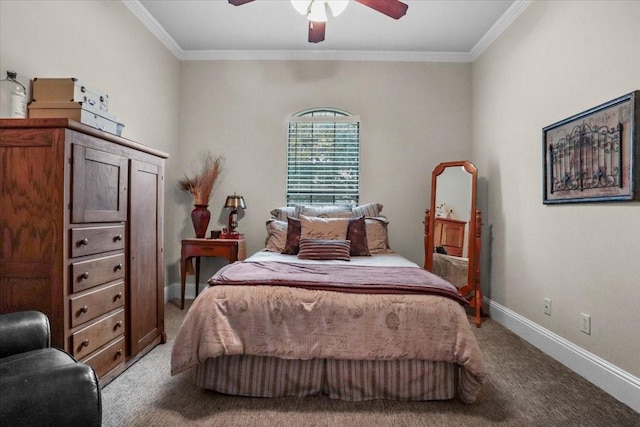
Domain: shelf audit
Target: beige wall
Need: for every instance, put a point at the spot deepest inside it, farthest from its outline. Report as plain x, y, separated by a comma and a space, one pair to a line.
547, 66
558, 59
413, 116
106, 47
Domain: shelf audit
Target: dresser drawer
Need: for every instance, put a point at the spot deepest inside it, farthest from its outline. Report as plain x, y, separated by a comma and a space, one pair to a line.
86, 340
106, 359
87, 274
96, 303
93, 240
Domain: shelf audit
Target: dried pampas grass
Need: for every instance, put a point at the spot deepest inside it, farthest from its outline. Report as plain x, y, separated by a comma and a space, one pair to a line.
201, 185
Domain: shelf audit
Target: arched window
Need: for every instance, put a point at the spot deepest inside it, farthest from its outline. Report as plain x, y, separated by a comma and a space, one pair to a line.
323, 158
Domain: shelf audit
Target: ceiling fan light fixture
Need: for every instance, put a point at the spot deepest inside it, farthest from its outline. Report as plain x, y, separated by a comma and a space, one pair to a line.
301, 6
337, 6
315, 10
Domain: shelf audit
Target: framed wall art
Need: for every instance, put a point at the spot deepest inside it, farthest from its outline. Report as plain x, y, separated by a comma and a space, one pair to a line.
593, 156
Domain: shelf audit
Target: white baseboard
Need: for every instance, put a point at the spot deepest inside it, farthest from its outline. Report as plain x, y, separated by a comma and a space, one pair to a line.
618, 383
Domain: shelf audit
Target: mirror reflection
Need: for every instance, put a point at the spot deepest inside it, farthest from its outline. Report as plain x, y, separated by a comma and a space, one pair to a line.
453, 212
452, 229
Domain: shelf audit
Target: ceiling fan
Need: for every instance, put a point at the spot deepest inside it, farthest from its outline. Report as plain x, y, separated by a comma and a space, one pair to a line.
315, 11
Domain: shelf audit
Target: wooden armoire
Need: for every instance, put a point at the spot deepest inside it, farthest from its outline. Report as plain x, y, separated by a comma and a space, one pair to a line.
81, 238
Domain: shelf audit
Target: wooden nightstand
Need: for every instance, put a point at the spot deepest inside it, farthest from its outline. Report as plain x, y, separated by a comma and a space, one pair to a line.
231, 249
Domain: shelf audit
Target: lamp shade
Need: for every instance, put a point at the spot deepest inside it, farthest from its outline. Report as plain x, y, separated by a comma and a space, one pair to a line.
235, 202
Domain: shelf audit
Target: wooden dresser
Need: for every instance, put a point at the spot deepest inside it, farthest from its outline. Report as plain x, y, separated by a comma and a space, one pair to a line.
81, 238
449, 233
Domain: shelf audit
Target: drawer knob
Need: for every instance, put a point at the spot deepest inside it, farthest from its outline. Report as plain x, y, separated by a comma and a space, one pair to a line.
84, 275
118, 325
118, 237
118, 353
117, 296
84, 242
118, 267
84, 343
84, 309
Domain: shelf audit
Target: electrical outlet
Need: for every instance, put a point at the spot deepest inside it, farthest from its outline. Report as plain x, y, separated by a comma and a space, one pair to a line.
586, 324
547, 306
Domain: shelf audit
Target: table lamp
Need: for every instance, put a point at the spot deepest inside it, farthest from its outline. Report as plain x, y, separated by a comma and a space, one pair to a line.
234, 203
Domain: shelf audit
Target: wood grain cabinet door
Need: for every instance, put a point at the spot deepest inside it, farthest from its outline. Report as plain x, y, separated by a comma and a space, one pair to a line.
450, 234
99, 187
146, 255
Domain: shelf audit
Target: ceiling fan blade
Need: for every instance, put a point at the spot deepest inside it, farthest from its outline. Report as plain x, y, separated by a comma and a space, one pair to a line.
239, 2
316, 31
393, 8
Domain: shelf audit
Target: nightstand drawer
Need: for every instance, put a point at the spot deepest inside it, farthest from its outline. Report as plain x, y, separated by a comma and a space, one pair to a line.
96, 303
107, 358
86, 340
93, 240
87, 274
227, 251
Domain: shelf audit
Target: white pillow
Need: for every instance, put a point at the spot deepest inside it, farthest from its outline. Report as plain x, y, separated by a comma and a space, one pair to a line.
323, 228
276, 235
377, 237
328, 211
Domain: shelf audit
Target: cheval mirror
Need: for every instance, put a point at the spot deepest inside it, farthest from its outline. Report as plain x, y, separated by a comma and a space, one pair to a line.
452, 228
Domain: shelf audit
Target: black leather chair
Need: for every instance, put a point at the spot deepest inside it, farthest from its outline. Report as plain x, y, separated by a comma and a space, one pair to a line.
40, 385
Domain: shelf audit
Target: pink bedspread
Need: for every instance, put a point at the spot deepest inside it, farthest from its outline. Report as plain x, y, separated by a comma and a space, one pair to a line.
297, 323
341, 278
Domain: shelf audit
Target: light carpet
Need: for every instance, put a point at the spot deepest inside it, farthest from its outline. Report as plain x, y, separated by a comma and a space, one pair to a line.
525, 388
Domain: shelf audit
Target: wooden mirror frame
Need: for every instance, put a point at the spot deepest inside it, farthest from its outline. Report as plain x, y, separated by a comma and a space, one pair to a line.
471, 290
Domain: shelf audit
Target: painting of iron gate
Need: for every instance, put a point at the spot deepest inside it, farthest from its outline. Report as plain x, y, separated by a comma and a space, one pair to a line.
593, 156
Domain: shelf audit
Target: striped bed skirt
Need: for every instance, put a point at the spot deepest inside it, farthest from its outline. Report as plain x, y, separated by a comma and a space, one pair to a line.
354, 380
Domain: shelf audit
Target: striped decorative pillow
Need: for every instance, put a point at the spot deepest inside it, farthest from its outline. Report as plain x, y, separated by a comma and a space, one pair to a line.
369, 209
320, 249
284, 212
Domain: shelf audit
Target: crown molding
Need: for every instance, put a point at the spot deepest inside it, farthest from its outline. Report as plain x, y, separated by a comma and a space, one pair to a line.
498, 28
323, 55
494, 32
152, 25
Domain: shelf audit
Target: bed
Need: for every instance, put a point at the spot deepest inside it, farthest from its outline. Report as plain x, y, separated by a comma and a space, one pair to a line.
374, 326
454, 268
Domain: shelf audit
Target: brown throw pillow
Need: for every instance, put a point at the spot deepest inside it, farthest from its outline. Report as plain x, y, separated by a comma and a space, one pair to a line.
292, 245
320, 249
357, 235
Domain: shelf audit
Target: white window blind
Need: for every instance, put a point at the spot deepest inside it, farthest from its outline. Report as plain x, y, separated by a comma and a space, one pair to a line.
323, 158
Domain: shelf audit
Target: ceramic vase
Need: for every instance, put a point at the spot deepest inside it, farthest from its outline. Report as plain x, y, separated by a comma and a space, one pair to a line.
200, 217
